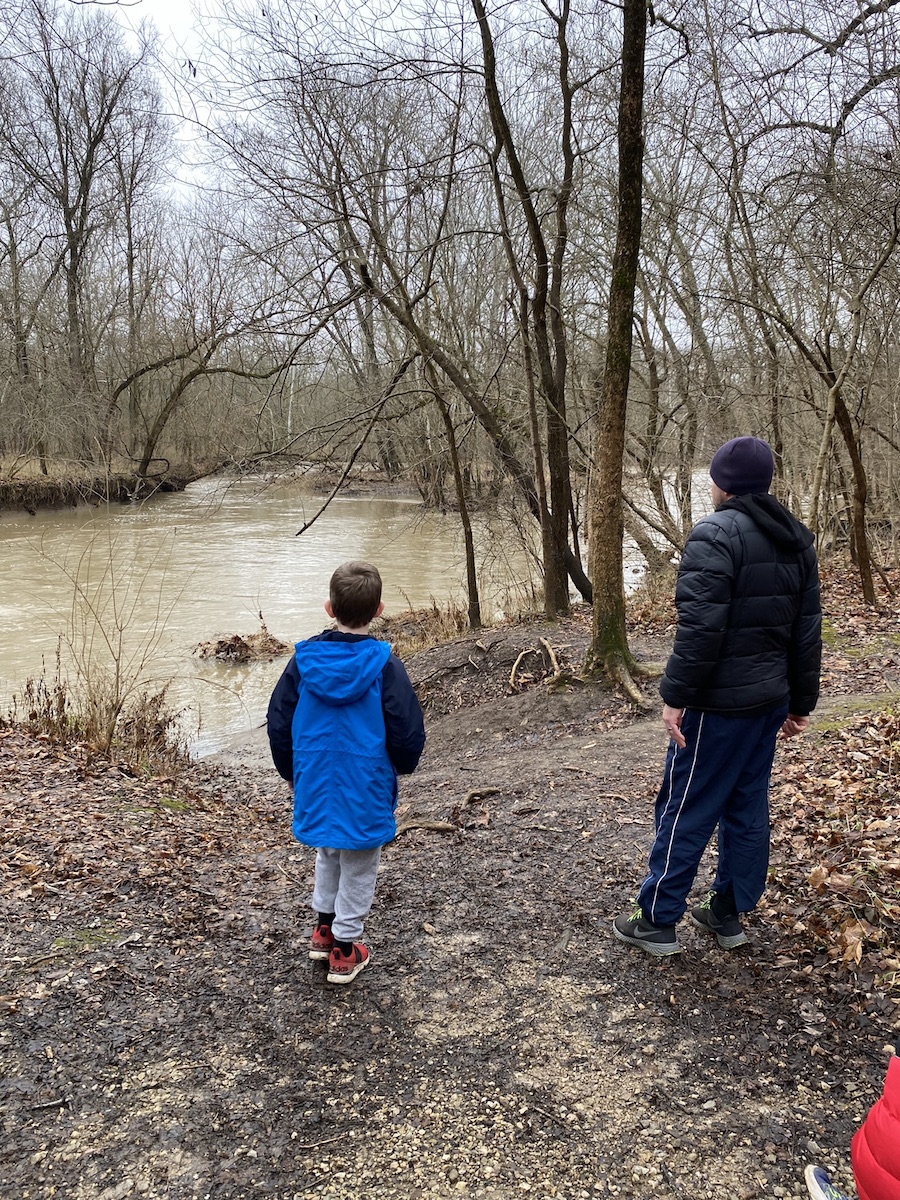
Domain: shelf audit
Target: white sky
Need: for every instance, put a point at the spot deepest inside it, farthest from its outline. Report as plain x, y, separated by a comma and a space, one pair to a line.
179, 28
174, 19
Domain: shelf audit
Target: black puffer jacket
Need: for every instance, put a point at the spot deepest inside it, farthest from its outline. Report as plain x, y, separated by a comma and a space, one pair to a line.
749, 632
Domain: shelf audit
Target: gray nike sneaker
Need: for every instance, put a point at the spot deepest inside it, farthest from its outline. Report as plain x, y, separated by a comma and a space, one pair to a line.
726, 926
636, 930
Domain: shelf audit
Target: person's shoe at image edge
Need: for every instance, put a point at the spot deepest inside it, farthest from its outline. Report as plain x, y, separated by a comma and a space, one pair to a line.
819, 1185
635, 930
345, 965
716, 915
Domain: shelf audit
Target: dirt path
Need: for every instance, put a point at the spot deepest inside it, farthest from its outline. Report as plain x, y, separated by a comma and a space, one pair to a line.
166, 1036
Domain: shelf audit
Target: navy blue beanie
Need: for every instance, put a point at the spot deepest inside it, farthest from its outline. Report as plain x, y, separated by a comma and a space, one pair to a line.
744, 466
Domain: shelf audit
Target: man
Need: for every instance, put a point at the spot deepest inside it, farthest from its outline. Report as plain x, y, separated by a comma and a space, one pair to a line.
745, 664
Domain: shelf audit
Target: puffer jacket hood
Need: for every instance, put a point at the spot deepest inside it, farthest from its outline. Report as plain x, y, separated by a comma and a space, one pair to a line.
781, 526
335, 676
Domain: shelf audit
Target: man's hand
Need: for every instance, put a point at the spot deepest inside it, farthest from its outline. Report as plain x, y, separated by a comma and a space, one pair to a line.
672, 721
794, 725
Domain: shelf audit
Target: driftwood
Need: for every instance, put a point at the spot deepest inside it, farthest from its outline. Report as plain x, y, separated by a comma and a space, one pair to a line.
243, 649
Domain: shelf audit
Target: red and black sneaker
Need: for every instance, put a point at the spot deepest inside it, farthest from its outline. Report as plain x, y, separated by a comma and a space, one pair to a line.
344, 968
321, 943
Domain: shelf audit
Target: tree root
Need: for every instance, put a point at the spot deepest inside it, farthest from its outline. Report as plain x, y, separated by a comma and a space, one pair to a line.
648, 670
623, 674
558, 676
516, 665
554, 661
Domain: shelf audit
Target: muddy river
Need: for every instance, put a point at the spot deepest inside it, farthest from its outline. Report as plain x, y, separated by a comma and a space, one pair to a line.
153, 581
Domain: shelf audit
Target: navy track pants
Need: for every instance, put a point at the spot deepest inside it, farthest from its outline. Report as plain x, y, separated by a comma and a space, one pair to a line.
720, 778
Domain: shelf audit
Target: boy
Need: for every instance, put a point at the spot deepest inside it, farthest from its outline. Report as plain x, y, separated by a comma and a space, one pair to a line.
343, 722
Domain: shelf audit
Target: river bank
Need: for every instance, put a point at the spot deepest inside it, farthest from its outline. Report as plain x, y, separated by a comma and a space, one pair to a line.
166, 1036
48, 492
30, 490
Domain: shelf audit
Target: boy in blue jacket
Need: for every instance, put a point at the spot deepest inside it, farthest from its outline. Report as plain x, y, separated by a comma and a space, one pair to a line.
343, 722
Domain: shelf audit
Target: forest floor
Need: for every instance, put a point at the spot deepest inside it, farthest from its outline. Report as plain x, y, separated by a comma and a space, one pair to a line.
163, 1033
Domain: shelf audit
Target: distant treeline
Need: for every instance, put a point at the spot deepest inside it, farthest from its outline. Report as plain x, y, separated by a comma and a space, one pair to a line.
396, 243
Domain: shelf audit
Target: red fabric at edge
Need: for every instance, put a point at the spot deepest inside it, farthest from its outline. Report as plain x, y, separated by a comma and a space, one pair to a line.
875, 1150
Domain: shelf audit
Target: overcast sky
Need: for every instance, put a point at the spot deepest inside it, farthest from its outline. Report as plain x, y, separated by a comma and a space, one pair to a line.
173, 18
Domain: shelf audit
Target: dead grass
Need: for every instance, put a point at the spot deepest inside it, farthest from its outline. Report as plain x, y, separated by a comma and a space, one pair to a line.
421, 628
147, 737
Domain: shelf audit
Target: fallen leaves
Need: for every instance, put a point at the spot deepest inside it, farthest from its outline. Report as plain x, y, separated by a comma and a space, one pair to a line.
835, 825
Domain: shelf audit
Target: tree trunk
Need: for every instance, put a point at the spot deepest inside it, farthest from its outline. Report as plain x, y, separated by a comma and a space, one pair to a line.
474, 603
860, 496
545, 306
608, 653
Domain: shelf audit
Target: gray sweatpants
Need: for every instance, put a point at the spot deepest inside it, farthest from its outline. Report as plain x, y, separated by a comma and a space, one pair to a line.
345, 885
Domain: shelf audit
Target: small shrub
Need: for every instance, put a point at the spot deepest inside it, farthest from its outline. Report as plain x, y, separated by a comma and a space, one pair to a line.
417, 629
45, 707
149, 736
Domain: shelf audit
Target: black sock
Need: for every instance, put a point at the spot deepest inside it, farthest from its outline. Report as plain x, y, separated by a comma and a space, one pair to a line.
345, 948
325, 919
723, 903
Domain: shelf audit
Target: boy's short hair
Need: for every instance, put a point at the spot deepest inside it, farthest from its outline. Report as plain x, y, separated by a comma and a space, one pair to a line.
355, 593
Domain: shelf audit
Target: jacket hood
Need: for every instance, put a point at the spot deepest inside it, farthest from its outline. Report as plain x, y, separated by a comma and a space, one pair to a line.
340, 672
781, 526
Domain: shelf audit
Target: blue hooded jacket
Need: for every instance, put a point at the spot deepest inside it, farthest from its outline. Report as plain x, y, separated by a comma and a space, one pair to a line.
353, 722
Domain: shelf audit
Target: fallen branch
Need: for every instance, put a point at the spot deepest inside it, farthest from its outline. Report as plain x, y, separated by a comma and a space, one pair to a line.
44, 958
481, 794
423, 823
444, 669
318, 1142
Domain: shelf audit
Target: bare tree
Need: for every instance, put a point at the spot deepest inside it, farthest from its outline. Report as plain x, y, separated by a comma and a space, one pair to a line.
72, 96
609, 652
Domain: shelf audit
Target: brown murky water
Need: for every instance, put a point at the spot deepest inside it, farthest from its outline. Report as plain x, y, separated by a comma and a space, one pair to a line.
181, 569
